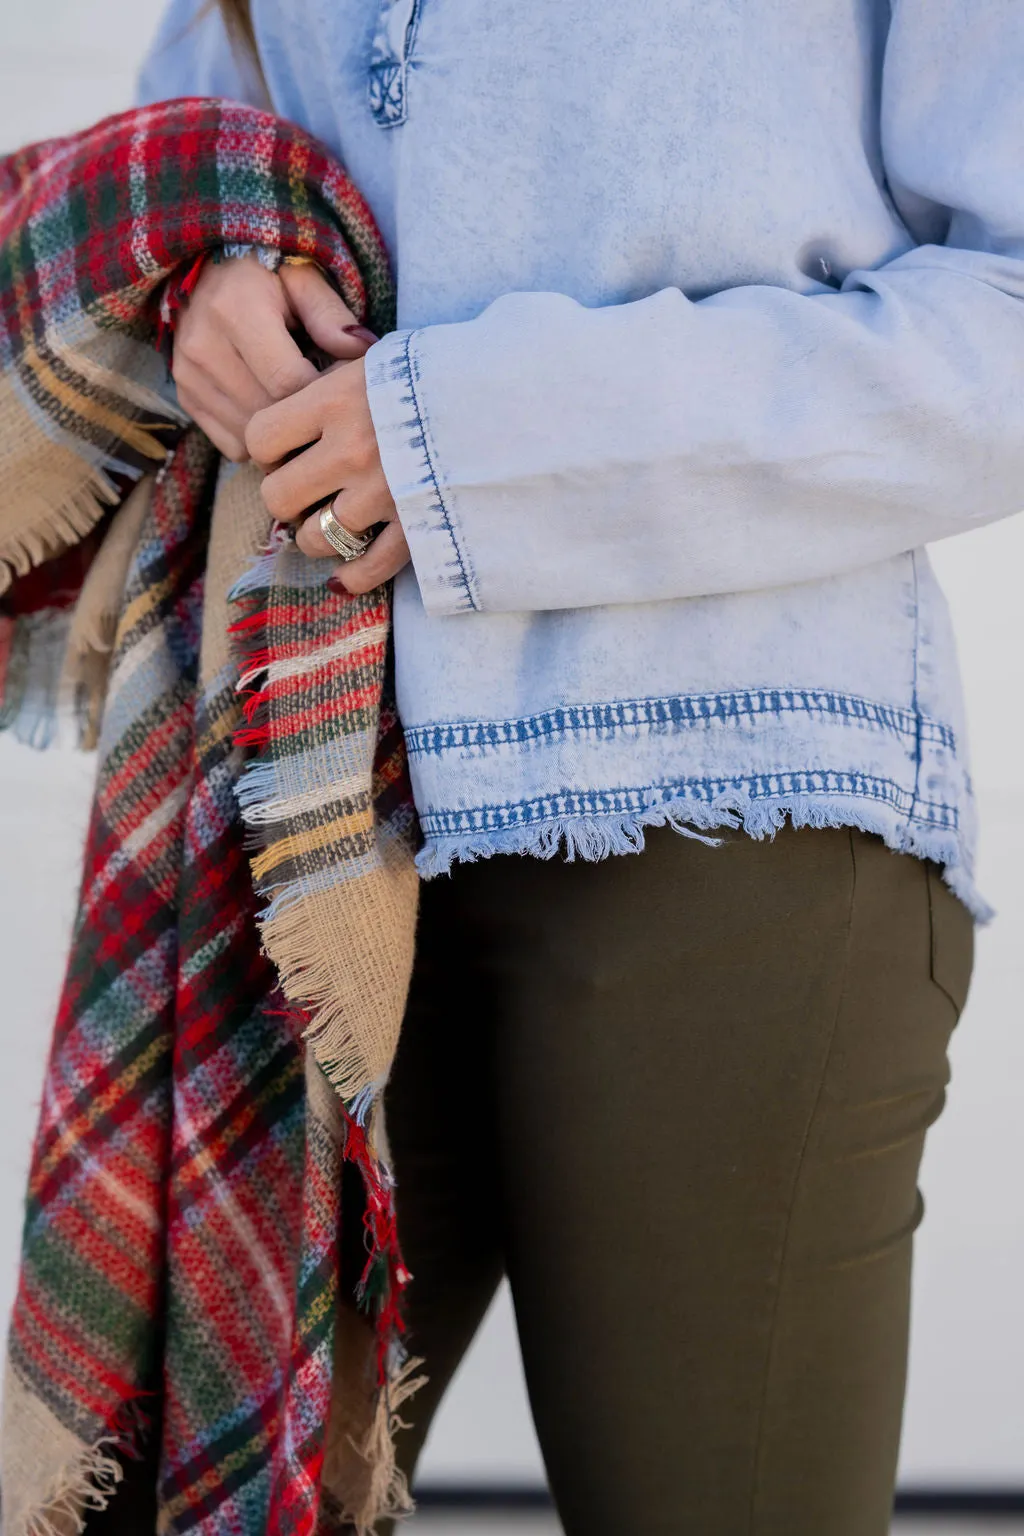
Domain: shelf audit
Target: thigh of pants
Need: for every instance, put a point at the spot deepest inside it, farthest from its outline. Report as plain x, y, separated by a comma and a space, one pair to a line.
680, 1099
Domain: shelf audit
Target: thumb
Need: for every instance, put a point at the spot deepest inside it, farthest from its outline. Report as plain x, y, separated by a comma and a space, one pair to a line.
323, 313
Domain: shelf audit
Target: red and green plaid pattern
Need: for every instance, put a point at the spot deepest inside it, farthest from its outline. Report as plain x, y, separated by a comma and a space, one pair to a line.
181, 1253
94, 223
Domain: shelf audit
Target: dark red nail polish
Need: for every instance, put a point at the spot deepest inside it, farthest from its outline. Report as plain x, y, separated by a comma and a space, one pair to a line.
337, 585
361, 333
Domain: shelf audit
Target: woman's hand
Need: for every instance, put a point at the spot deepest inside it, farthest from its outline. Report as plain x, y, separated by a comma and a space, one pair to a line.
234, 352
330, 421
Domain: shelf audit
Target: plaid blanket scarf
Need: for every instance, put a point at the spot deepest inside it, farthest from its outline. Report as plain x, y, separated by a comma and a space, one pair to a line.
218, 1054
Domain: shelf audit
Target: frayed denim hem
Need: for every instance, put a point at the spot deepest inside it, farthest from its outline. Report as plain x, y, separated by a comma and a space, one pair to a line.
601, 836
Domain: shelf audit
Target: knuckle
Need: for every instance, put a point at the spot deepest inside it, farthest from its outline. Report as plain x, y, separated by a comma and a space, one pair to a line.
186, 349
303, 277
368, 575
257, 439
273, 498
220, 306
284, 379
317, 302
304, 538
322, 315
328, 306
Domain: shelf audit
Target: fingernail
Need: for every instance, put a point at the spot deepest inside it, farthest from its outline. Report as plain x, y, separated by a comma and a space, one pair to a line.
361, 333
337, 585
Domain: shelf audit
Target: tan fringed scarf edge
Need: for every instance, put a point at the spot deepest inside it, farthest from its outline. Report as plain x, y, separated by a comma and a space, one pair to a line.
56, 495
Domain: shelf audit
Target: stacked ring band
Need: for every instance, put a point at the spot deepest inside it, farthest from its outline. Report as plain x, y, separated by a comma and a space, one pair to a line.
347, 544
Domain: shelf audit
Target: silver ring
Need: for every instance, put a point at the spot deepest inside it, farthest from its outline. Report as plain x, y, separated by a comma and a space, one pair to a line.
348, 545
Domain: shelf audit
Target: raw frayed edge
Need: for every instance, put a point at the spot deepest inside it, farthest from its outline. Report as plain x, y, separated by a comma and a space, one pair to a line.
388, 1495
307, 977
599, 837
36, 706
87, 1486
382, 1284
49, 524
90, 1481
54, 525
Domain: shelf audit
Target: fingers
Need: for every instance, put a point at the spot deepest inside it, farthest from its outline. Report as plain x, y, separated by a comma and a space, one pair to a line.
247, 305
354, 512
233, 354
385, 557
323, 313
270, 351
212, 410
296, 485
321, 443
290, 424
236, 360
234, 379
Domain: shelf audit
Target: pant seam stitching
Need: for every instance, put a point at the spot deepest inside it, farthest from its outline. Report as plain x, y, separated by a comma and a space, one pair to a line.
797, 1180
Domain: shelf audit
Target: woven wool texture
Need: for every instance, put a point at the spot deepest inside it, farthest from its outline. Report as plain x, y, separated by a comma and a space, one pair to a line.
244, 937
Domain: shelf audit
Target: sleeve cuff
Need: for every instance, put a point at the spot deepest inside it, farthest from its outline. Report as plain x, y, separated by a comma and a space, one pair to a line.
411, 467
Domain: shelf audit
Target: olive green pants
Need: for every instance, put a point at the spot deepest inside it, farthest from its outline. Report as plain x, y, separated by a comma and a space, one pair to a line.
680, 1099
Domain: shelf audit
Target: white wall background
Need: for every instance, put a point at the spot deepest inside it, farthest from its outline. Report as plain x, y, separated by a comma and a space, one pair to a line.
66, 62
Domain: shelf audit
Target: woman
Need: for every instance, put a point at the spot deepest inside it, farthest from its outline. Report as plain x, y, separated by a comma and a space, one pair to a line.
709, 318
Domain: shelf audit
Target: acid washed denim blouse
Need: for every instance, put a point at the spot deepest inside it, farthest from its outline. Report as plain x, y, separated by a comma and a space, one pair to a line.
711, 316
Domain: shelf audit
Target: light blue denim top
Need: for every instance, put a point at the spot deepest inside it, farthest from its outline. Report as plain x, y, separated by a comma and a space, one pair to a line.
710, 317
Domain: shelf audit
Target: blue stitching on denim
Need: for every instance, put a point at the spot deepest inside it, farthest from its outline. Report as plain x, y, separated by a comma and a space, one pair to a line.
674, 712
918, 744
412, 380
412, 31
637, 801
389, 73
387, 92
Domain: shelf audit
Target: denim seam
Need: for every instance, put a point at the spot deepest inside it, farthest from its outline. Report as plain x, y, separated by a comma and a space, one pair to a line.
411, 34
798, 1175
918, 743
637, 800
412, 377
680, 711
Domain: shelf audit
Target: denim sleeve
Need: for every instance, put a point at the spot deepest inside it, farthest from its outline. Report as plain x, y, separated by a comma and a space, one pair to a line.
192, 55
544, 455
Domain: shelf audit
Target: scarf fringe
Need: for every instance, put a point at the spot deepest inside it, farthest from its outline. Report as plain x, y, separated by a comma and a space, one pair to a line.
309, 983
33, 701
37, 705
306, 980
90, 1480
48, 525
387, 1492
60, 491
84, 414
88, 1484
